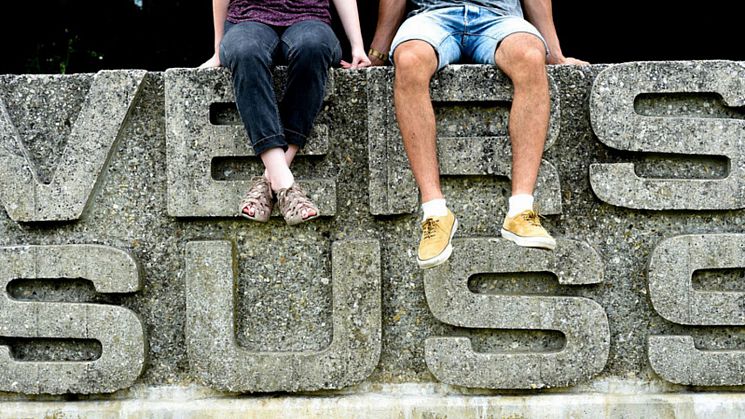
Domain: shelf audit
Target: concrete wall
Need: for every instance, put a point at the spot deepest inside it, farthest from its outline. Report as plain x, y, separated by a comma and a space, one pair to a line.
126, 269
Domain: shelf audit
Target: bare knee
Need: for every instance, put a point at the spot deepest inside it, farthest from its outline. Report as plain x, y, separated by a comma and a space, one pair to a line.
522, 56
415, 62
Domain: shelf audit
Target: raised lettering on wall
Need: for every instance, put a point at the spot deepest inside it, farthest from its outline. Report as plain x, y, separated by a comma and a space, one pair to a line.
118, 329
193, 140
582, 321
671, 267
90, 146
617, 124
217, 359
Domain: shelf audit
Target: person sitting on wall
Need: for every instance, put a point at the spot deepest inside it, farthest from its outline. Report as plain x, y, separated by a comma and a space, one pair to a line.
439, 32
250, 35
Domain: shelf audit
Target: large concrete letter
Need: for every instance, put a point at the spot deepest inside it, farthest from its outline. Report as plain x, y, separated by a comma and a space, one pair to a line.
218, 360
91, 143
193, 141
392, 187
582, 321
118, 329
617, 125
671, 267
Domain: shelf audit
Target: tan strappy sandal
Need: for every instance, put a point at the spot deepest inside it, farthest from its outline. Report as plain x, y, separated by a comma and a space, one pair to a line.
260, 198
292, 201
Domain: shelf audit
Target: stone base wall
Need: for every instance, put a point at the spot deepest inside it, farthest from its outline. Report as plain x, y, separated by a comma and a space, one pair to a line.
125, 266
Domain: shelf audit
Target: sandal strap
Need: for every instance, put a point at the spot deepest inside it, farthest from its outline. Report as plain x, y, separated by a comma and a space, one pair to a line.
293, 200
259, 194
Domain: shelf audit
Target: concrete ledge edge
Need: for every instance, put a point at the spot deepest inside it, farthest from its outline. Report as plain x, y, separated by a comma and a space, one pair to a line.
375, 405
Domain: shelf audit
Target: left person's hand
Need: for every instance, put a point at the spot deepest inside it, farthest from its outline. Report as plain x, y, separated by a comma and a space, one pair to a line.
214, 61
359, 60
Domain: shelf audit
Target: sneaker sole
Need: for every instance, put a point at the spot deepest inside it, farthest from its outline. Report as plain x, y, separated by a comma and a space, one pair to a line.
443, 256
538, 242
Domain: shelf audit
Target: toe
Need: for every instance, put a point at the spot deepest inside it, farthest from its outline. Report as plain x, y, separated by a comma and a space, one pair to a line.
309, 213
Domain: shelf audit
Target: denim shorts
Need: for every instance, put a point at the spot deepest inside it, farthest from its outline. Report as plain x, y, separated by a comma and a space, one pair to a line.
465, 33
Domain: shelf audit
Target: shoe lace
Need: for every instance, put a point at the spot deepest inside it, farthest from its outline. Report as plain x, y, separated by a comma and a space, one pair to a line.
532, 217
430, 227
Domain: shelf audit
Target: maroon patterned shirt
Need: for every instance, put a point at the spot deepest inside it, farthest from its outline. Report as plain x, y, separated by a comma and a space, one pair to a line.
278, 12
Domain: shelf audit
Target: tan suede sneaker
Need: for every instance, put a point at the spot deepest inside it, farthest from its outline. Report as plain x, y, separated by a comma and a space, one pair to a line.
437, 233
525, 230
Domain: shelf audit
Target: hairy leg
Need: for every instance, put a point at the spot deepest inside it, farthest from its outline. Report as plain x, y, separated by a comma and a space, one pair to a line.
522, 57
416, 62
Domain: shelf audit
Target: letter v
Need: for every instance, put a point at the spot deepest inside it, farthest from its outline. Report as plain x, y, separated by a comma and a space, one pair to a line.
90, 145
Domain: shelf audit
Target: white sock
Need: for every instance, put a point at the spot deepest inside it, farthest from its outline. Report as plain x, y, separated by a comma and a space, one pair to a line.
519, 203
434, 208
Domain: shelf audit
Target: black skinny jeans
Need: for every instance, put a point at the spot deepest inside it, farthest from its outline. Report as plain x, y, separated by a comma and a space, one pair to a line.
250, 49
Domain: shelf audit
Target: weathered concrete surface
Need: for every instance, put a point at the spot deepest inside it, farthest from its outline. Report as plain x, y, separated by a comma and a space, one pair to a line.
220, 362
90, 146
618, 124
582, 321
671, 268
283, 295
677, 360
118, 330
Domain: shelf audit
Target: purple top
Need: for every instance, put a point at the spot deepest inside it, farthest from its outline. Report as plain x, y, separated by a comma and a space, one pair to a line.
278, 12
